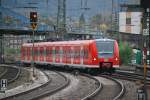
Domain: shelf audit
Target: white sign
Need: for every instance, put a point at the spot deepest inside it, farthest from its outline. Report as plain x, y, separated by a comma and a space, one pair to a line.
3, 84
145, 32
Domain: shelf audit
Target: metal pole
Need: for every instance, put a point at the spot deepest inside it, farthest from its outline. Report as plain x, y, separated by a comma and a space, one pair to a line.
1, 49
118, 10
112, 17
146, 22
32, 64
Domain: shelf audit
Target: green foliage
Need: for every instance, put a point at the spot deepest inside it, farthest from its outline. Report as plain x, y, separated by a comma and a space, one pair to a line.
125, 53
97, 19
82, 20
11, 51
11, 54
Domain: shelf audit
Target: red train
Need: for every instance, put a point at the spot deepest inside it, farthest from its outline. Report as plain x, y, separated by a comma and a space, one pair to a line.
98, 54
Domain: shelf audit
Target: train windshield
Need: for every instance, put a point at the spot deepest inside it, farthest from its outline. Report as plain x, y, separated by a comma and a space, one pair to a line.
105, 49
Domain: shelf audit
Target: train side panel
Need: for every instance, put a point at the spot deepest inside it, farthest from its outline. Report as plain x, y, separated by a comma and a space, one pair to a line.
116, 55
81, 55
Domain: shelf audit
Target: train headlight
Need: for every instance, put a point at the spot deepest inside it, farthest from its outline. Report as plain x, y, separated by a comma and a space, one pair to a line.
94, 59
116, 59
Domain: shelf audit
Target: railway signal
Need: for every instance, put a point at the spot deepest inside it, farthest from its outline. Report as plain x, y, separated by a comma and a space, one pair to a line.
146, 33
33, 20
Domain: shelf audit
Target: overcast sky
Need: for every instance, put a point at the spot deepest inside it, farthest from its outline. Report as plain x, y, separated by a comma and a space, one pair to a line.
73, 7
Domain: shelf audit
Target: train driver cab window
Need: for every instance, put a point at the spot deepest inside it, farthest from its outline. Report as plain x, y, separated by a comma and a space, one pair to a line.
105, 48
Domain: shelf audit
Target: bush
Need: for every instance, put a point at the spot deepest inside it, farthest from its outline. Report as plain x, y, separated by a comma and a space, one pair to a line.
125, 52
11, 55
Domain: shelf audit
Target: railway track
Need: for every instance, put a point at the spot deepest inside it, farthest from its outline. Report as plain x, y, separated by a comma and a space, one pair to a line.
10, 73
112, 89
52, 86
132, 76
3, 70
82, 87
96, 91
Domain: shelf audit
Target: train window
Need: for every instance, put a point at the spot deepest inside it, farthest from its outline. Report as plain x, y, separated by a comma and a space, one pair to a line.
23, 51
68, 53
29, 51
105, 48
41, 51
60, 52
53, 51
72, 53
82, 53
48, 51
85, 53
44, 51
77, 53
57, 51
35, 51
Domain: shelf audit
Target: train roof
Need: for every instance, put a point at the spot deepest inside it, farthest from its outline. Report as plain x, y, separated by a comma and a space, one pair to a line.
76, 42
111, 40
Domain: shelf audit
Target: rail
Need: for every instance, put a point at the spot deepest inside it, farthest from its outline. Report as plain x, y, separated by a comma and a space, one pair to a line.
96, 91
11, 69
131, 76
3, 72
122, 91
22, 93
55, 90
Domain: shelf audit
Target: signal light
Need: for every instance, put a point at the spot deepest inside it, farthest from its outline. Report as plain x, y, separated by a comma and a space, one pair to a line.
33, 19
116, 59
94, 59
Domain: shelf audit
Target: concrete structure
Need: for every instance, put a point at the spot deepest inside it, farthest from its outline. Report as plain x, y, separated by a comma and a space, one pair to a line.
130, 22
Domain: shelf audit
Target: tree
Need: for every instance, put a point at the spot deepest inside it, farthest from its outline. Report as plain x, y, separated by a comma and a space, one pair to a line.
96, 20
81, 21
125, 52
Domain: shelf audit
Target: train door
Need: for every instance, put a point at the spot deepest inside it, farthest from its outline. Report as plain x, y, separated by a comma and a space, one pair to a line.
41, 53
38, 53
77, 55
61, 54
68, 54
53, 54
72, 54
57, 59
85, 55
64, 54
48, 54
28, 53
44, 53
35, 54
81, 55
23, 53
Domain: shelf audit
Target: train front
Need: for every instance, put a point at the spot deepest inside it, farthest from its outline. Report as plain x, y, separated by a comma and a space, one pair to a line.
107, 54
